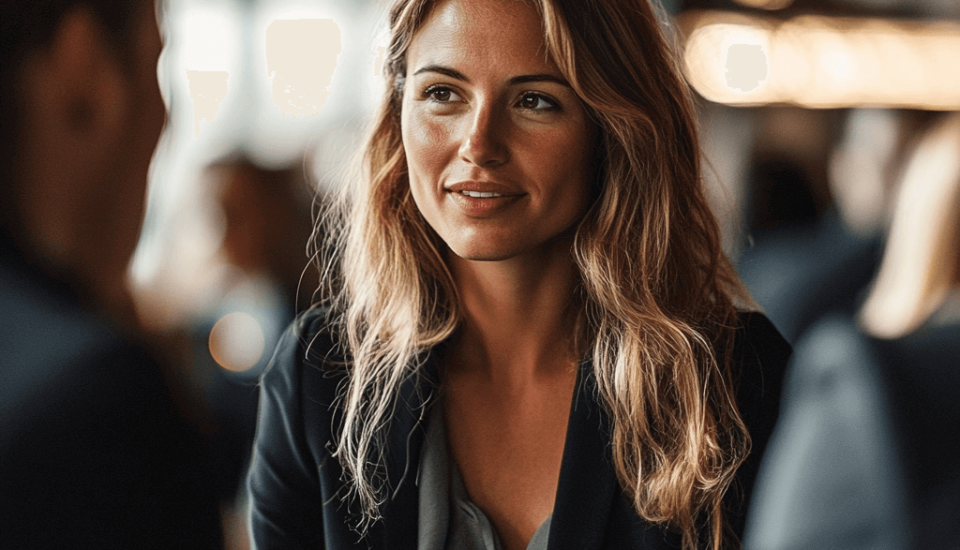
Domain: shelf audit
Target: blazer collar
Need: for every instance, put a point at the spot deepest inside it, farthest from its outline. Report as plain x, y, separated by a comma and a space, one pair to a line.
588, 484
404, 445
586, 490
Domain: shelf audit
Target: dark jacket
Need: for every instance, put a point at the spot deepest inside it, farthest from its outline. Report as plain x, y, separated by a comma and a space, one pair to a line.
867, 454
295, 487
94, 451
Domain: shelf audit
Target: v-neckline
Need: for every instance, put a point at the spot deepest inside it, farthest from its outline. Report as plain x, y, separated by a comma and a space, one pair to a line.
586, 489
444, 500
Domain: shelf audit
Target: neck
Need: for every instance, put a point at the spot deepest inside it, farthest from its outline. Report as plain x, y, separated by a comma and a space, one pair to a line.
518, 315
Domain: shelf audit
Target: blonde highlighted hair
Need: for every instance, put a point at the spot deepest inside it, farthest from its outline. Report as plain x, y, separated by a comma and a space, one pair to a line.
657, 315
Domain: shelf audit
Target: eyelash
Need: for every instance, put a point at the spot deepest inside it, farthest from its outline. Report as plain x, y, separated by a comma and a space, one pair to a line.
430, 94
431, 90
551, 104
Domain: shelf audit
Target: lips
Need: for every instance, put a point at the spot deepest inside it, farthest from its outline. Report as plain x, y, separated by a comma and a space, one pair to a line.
483, 189
479, 194
483, 199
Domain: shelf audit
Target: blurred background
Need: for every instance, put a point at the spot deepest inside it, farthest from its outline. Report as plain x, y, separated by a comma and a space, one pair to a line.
827, 126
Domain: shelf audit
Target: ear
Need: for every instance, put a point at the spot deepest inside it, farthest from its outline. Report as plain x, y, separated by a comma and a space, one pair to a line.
75, 85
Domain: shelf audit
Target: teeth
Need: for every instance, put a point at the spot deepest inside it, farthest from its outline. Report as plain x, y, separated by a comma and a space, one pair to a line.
479, 194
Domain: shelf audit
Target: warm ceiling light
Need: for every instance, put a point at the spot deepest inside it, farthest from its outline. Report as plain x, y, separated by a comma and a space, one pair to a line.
825, 62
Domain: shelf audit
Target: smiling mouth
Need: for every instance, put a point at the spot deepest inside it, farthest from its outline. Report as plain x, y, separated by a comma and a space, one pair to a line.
483, 199
483, 190
479, 194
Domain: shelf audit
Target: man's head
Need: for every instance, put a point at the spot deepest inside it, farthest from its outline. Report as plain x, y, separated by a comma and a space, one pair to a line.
81, 118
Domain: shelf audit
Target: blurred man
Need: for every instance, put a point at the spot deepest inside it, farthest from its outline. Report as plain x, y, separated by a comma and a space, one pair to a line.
95, 451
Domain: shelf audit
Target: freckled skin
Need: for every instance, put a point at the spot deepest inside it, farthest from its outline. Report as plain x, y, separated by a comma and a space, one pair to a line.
480, 130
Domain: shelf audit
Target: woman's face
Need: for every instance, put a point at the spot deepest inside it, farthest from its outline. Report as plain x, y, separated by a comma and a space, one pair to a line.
498, 145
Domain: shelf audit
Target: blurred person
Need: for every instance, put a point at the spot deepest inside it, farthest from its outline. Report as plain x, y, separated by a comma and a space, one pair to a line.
531, 336
867, 451
805, 258
266, 219
268, 223
98, 448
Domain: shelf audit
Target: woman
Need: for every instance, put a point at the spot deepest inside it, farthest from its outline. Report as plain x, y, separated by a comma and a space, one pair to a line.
530, 336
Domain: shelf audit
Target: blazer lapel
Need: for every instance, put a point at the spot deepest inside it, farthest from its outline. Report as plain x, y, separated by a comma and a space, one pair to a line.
589, 511
588, 484
405, 440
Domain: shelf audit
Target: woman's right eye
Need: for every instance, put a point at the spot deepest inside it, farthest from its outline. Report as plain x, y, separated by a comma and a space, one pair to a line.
441, 94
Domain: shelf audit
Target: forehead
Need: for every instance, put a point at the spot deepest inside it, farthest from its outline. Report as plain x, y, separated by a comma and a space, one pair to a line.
495, 33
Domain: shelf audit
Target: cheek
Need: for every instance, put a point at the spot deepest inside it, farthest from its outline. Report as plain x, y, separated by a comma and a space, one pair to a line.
417, 150
426, 147
150, 47
583, 141
567, 163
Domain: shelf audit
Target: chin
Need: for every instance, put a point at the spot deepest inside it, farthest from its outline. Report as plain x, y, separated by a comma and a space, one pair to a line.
487, 257
484, 254
501, 247
482, 250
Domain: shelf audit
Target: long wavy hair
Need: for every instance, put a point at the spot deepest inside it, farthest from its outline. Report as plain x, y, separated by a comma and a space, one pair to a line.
657, 313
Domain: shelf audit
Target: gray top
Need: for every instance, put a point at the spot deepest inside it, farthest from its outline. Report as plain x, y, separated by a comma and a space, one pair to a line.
448, 520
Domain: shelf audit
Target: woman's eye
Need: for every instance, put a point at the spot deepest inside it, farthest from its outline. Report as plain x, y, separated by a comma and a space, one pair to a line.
536, 102
441, 94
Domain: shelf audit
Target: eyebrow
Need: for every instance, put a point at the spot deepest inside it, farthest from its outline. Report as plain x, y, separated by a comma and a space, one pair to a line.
519, 79
525, 78
446, 71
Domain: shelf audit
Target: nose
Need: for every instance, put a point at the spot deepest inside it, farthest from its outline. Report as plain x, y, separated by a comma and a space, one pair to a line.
484, 143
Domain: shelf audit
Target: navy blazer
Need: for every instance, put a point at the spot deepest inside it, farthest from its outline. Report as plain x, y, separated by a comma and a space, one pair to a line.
296, 488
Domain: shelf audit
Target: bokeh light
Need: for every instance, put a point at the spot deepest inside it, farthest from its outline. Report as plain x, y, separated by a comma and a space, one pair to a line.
237, 341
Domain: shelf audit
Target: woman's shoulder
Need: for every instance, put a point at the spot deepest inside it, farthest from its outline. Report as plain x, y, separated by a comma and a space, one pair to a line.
294, 434
758, 343
307, 366
760, 357
309, 341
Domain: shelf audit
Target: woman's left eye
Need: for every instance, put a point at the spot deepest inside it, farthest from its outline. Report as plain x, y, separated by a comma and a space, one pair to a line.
536, 102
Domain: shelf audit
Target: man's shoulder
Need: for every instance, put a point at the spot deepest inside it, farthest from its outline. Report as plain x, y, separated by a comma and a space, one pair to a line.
55, 354
40, 327
90, 429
